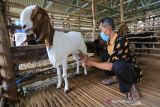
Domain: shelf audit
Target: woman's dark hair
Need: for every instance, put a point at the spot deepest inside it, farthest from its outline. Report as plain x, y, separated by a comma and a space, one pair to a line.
108, 22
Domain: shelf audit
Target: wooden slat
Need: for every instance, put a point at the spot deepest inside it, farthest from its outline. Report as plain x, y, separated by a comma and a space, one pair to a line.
49, 100
89, 91
36, 69
43, 99
33, 100
52, 96
67, 102
147, 54
23, 54
36, 79
6, 63
62, 102
26, 48
22, 6
75, 104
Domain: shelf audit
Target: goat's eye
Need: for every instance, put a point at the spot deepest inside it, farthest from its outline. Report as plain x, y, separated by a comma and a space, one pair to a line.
24, 26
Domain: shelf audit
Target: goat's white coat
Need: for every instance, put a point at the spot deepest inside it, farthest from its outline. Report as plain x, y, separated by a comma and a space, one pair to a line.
25, 17
64, 44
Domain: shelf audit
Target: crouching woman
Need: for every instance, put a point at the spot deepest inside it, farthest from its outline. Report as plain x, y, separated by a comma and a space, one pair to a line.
120, 64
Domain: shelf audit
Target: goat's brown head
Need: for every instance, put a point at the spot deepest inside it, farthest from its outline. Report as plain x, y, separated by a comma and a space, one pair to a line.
35, 21
123, 29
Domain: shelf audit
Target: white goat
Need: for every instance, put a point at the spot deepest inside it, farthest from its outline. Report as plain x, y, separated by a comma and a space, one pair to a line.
36, 21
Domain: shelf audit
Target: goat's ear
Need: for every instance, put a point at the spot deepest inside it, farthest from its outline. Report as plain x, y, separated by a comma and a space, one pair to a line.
34, 13
41, 24
43, 28
37, 15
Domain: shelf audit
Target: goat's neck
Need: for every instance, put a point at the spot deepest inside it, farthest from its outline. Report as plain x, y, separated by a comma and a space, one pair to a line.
49, 38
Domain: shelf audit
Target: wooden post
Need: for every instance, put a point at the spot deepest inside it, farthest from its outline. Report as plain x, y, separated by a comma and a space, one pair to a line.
79, 27
52, 19
121, 11
94, 19
8, 84
68, 24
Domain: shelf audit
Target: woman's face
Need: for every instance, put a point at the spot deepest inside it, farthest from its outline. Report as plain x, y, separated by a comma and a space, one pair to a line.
107, 30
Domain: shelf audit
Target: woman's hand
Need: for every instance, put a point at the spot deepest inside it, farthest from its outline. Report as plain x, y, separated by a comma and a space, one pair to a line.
85, 60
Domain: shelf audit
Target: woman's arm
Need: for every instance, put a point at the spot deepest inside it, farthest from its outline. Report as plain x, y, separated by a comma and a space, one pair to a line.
94, 59
95, 62
100, 65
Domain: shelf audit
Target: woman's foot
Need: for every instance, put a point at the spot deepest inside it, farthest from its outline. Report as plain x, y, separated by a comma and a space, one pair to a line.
110, 81
133, 94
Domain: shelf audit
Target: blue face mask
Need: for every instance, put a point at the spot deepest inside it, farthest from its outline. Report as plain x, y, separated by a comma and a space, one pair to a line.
104, 36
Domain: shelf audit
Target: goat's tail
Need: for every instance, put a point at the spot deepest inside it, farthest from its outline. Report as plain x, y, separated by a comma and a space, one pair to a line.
83, 47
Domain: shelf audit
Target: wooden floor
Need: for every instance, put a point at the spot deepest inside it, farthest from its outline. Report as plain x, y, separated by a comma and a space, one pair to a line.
89, 92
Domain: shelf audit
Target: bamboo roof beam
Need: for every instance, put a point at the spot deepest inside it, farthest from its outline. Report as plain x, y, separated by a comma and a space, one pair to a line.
68, 4
22, 6
111, 9
121, 11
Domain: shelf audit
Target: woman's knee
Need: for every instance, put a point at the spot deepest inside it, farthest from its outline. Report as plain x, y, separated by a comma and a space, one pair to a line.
118, 64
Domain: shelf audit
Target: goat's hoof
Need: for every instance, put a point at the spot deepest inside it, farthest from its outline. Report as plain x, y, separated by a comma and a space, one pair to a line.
58, 86
85, 73
66, 90
77, 73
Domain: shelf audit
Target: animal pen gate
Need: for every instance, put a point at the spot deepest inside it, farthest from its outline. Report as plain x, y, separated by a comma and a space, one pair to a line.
144, 36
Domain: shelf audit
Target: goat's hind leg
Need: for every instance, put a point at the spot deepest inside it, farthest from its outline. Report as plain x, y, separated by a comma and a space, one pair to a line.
76, 57
85, 70
66, 86
59, 77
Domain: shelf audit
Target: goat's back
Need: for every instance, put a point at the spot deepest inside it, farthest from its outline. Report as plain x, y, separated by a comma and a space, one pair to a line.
65, 44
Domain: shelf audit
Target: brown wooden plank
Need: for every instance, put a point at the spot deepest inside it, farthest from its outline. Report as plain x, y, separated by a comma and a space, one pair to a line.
33, 100
93, 96
6, 71
38, 100
85, 100
79, 99
17, 104
43, 99
59, 93
35, 69
54, 99
76, 99
89, 98
22, 102
27, 101
63, 103
115, 94
74, 103
100, 93
103, 97
49, 100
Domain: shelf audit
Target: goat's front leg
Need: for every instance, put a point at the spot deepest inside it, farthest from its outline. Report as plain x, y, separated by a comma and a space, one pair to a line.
85, 70
59, 77
76, 57
66, 86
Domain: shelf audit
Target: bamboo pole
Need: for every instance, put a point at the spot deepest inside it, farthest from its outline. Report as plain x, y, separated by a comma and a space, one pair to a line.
121, 11
6, 72
94, 20
68, 4
79, 22
22, 6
